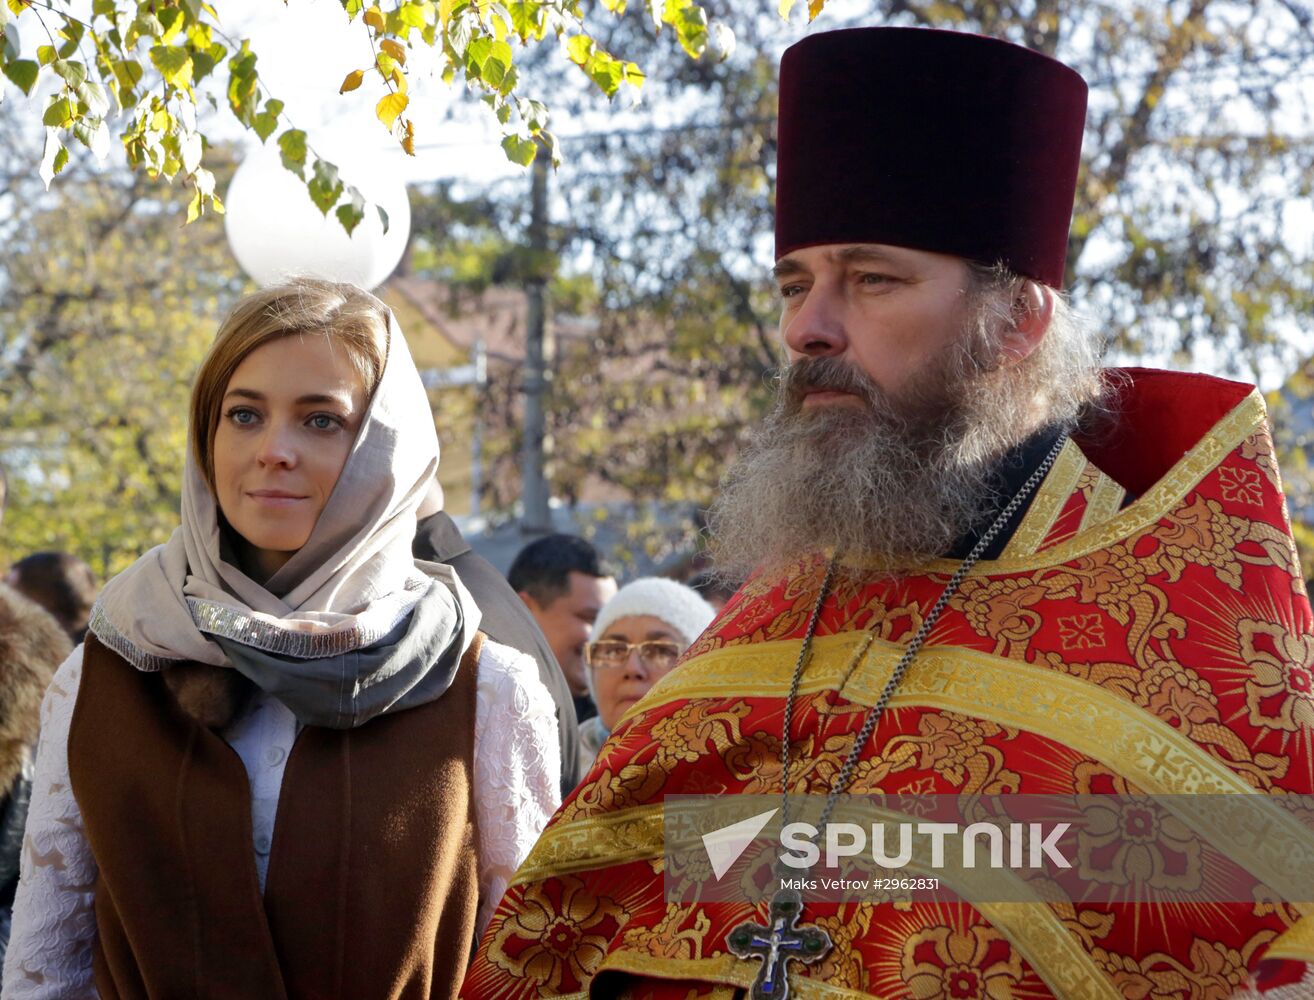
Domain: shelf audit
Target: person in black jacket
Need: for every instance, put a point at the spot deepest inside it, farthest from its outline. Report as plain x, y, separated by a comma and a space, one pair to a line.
506, 619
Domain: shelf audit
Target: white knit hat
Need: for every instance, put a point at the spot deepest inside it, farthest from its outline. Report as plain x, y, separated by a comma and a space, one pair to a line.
678, 606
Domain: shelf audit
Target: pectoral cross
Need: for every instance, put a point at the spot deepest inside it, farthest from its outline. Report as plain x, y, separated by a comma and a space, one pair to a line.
777, 943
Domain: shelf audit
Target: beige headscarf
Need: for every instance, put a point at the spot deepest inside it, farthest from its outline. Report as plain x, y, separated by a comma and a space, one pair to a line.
351, 584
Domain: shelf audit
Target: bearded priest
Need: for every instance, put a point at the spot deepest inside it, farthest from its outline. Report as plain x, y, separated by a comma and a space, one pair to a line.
980, 566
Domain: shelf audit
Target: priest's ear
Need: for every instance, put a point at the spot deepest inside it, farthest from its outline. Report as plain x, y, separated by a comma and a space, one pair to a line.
1031, 312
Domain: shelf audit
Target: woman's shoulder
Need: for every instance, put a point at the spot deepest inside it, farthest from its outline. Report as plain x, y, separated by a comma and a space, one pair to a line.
507, 673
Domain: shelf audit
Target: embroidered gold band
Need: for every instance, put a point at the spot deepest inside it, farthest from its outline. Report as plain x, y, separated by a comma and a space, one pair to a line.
1225, 436
1297, 942
1048, 503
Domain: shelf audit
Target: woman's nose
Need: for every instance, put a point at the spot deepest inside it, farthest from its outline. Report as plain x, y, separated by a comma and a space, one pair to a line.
277, 446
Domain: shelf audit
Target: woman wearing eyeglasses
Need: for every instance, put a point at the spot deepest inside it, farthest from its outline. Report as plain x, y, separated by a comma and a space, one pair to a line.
637, 638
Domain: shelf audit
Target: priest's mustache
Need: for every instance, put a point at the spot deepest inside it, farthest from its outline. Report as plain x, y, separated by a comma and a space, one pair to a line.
807, 375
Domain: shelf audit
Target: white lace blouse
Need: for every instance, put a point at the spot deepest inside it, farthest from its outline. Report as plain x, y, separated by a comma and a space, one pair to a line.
516, 781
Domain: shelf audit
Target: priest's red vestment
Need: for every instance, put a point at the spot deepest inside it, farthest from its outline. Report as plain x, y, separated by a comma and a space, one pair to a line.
1160, 644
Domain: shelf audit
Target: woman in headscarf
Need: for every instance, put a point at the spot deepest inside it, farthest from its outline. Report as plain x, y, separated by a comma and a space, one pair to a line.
284, 763
637, 639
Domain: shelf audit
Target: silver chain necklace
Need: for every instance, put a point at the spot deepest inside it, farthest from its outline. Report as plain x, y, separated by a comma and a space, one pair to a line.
781, 940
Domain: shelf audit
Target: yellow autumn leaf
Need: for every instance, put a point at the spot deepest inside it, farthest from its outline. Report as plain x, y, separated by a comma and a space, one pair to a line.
390, 107
445, 12
352, 81
814, 8
408, 139
393, 49
785, 7
374, 18
399, 79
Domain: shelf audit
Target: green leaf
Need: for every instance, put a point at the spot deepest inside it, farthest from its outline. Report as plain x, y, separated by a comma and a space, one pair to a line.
353, 8
325, 186
74, 73
54, 159
59, 113
72, 34
9, 31
94, 134
23, 73
292, 147
46, 54
412, 15
172, 20
203, 63
519, 149
527, 19
94, 97
127, 74
242, 84
351, 213
104, 8
476, 54
493, 72
383, 218
580, 48
174, 63
145, 24
266, 122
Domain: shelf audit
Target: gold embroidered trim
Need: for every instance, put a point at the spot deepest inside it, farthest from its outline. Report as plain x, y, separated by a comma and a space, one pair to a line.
1048, 503
632, 834
1224, 437
1105, 502
1296, 942
1051, 950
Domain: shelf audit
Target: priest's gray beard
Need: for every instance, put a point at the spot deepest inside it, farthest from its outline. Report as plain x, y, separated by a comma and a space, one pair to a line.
898, 480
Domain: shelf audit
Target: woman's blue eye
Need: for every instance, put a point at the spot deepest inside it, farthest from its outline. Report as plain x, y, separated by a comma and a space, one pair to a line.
324, 422
242, 416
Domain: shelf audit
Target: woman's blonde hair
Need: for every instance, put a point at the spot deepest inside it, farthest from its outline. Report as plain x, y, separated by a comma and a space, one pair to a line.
343, 314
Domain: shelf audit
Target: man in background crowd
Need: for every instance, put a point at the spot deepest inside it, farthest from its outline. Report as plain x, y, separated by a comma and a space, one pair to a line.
505, 617
564, 583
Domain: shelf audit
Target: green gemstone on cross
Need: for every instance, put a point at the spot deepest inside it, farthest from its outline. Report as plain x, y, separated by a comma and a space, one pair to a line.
777, 943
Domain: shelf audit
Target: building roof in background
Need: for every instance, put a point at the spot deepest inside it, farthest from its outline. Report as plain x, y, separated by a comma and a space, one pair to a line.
497, 315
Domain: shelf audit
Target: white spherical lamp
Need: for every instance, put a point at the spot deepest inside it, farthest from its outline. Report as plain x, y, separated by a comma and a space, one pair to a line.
276, 231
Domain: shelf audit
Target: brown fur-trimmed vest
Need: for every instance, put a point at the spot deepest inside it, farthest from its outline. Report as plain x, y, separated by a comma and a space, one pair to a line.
372, 886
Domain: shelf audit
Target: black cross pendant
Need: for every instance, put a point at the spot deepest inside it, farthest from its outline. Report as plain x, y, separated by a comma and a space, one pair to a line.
778, 943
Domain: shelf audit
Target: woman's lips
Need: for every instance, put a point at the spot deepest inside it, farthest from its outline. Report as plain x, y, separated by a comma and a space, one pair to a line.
275, 498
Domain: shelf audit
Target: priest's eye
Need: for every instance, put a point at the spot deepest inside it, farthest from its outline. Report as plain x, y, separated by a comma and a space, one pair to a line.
871, 278
789, 291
